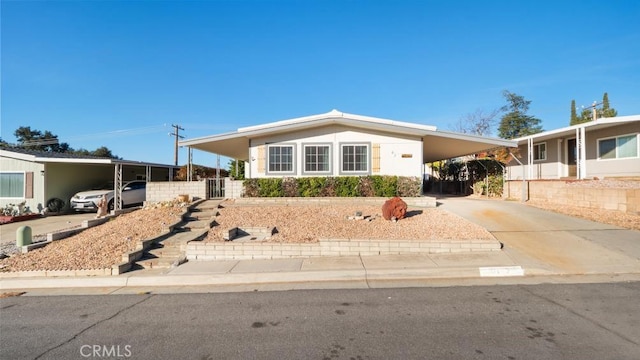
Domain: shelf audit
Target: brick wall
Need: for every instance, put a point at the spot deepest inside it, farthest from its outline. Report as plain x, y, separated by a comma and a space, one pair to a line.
233, 188
331, 247
169, 190
563, 193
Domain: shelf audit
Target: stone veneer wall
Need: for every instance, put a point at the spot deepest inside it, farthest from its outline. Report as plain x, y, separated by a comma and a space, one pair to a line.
169, 190
562, 193
332, 247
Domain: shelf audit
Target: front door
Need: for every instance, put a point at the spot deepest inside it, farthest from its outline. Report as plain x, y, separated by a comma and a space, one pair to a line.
572, 157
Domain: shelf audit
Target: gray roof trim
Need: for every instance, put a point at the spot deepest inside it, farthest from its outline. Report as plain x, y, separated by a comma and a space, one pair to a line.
46, 157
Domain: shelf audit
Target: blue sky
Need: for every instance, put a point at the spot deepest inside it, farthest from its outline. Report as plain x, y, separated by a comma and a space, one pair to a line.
120, 73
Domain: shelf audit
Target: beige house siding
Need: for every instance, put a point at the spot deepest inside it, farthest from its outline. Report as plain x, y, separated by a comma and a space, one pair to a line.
23, 166
388, 154
555, 165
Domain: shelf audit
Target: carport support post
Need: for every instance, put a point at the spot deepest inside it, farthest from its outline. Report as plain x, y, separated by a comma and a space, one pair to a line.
117, 191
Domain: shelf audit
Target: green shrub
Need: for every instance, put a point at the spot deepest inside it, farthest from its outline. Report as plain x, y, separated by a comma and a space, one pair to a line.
409, 186
330, 187
347, 186
343, 186
311, 186
270, 187
495, 185
385, 185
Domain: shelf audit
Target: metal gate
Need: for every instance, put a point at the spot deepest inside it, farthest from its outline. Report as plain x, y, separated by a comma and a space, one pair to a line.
215, 188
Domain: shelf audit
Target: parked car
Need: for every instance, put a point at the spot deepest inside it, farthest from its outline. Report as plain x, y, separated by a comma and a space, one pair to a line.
133, 193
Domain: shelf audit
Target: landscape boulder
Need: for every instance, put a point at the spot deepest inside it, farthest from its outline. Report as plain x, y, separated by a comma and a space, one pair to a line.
394, 209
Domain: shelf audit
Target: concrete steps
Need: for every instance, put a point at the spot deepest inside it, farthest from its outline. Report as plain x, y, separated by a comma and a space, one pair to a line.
170, 252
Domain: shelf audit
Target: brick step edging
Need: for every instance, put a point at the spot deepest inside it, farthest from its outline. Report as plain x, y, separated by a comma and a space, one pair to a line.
333, 247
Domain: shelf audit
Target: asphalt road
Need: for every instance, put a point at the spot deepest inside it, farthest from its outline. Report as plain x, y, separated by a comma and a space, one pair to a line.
592, 321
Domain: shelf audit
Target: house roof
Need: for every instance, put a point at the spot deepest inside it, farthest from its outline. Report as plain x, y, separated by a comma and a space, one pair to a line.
588, 126
438, 145
53, 157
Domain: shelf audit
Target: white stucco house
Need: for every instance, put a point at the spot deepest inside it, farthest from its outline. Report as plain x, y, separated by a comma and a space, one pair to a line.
604, 148
37, 177
341, 144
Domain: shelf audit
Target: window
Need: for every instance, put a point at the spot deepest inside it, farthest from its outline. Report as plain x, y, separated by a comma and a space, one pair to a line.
12, 185
280, 158
355, 158
317, 158
619, 147
540, 151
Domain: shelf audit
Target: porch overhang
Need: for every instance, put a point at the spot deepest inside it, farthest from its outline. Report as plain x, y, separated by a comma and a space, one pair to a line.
437, 145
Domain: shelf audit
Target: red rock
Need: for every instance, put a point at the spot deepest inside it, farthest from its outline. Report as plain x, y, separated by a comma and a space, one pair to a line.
394, 208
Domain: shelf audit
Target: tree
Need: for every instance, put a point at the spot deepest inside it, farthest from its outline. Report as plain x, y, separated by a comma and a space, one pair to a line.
36, 140
516, 123
477, 123
574, 116
104, 152
607, 111
239, 174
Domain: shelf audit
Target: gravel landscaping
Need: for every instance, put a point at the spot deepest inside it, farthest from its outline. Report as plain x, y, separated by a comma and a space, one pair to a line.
309, 223
611, 217
98, 247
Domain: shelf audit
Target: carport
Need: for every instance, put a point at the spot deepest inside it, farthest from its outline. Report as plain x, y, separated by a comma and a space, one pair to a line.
48, 176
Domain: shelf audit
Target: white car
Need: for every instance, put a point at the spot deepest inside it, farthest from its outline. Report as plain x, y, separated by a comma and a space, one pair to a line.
133, 193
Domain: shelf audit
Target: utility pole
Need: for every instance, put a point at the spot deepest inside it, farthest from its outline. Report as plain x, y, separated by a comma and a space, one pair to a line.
593, 107
176, 133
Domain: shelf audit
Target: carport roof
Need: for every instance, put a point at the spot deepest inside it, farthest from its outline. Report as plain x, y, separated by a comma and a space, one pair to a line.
437, 145
53, 157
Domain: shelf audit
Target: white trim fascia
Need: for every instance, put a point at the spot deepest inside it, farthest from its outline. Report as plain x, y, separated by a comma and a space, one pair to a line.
459, 136
73, 161
335, 115
17, 155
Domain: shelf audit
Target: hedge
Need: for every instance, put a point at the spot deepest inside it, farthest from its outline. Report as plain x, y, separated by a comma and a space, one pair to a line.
342, 186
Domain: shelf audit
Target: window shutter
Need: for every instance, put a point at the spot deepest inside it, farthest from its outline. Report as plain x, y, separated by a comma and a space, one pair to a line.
28, 185
375, 157
261, 159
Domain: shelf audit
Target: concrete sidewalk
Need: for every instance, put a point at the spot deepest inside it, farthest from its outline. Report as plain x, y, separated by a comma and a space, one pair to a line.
539, 246
486, 268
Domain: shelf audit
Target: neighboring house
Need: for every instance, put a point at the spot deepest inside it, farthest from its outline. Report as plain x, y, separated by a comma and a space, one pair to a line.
37, 177
607, 147
340, 144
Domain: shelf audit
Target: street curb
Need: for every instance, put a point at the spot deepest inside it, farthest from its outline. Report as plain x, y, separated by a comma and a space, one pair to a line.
226, 279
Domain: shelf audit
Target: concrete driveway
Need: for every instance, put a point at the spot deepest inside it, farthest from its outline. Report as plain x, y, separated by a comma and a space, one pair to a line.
43, 225
550, 241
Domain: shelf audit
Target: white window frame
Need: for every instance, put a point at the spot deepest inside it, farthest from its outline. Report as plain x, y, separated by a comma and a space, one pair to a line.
24, 181
367, 171
617, 147
329, 158
536, 151
268, 170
